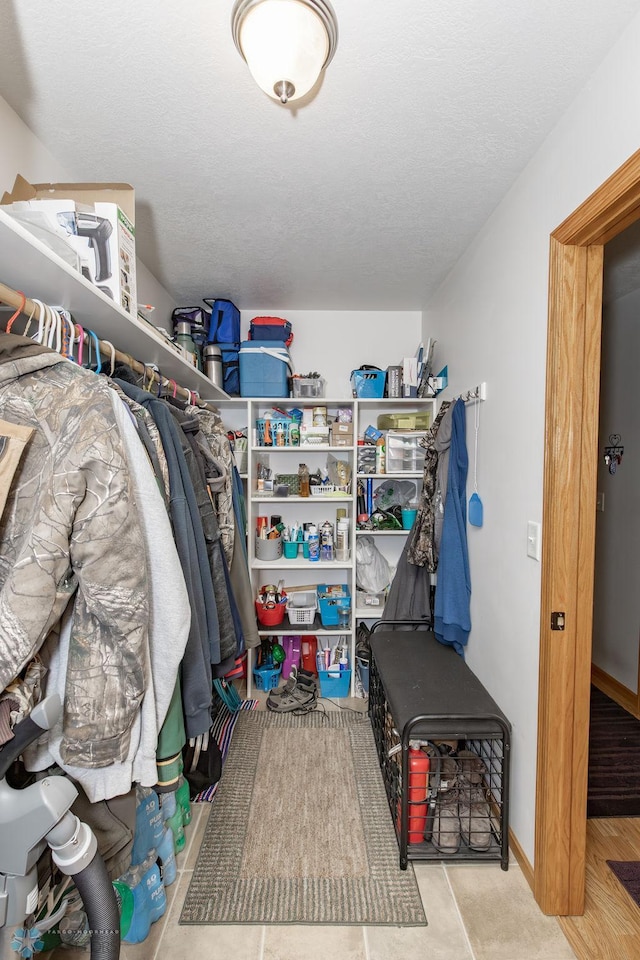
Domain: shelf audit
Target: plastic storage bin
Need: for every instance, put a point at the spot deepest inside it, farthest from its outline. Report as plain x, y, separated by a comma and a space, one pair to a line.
265, 367
270, 617
368, 383
330, 597
362, 666
266, 678
404, 453
277, 428
268, 549
301, 608
335, 682
373, 600
308, 387
409, 420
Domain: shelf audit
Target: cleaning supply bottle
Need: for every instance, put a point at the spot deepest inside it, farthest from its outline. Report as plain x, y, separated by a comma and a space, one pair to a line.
149, 825
124, 896
183, 798
166, 857
140, 923
342, 539
326, 541
308, 653
153, 887
172, 816
313, 539
303, 477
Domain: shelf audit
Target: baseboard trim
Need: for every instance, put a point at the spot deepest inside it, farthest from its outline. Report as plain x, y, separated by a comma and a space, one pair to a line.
612, 688
521, 857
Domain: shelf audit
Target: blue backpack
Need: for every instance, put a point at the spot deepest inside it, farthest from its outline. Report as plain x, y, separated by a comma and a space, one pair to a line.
224, 324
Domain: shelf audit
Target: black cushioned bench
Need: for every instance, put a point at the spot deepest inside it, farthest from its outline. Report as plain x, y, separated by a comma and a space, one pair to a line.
420, 689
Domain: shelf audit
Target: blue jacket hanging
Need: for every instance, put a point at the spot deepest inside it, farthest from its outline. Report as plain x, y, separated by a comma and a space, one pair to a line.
453, 590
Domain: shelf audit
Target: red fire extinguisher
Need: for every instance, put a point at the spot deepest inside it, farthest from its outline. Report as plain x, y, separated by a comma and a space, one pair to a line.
418, 792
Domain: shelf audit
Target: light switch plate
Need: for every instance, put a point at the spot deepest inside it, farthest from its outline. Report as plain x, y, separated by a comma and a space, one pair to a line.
533, 540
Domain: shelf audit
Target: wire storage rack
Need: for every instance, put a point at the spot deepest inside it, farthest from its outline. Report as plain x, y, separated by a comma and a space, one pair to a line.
422, 691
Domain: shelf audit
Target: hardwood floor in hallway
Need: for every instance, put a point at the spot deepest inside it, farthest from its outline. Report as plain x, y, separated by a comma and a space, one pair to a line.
610, 926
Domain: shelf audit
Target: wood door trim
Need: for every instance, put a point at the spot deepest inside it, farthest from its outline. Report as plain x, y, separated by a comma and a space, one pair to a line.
610, 209
568, 555
616, 691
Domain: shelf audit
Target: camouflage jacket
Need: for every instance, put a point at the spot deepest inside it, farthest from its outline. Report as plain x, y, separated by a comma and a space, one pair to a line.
69, 534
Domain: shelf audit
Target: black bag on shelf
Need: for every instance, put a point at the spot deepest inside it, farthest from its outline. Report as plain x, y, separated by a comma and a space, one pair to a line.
230, 368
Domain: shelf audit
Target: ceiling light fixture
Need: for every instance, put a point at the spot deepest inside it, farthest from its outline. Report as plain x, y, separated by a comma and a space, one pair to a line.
285, 43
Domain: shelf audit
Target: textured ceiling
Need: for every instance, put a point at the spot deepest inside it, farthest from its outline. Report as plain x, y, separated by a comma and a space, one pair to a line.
362, 198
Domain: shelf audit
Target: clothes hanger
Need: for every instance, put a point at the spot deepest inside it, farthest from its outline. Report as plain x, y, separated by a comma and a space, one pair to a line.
96, 343
29, 319
18, 311
38, 335
81, 338
112, 351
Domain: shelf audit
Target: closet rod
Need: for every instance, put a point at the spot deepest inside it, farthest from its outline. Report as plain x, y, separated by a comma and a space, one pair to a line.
31, 309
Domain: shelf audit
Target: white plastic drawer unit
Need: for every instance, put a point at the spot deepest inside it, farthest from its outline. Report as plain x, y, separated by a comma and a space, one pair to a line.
404, 453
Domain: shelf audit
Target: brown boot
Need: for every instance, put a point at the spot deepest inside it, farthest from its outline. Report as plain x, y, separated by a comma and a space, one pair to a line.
473, 809
446, 820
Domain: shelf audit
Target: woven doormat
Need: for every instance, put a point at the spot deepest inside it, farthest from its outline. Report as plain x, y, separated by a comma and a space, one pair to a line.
300, 830
628, 873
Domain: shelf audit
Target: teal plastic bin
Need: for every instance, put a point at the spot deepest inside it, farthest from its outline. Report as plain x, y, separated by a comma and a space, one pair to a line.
335, 683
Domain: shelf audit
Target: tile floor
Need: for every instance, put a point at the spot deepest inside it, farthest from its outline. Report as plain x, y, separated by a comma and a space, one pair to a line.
474, 912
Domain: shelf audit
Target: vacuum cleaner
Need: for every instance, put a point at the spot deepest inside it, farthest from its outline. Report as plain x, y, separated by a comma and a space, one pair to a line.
96, 231
39, 816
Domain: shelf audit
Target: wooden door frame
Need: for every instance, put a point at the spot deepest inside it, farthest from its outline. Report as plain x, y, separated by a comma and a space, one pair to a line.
568, 545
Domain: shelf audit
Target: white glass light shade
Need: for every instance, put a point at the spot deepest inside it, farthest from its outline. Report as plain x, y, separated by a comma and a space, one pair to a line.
285, 44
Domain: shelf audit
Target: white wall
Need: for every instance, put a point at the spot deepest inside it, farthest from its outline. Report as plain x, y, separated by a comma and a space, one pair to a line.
23, 153
491, 313
616, 611
335, 342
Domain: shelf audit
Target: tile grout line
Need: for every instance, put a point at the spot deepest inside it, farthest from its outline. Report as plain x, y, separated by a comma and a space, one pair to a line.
263, 939
175, 885
458, 911
367, 955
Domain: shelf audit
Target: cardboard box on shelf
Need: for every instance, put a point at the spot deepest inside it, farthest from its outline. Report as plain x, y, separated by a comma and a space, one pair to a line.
313, 435
91, 225
394, 381
341, 434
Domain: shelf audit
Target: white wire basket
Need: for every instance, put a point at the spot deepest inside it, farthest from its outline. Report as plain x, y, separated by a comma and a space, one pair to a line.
301, 607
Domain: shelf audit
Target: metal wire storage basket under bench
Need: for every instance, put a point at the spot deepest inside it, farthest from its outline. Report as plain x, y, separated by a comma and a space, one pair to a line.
422, 690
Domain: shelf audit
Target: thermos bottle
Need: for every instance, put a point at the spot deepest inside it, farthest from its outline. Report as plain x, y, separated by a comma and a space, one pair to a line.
213, 364
187, 343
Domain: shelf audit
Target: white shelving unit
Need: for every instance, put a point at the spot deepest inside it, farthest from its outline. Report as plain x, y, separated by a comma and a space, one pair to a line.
27, 264
389, 542
285, 460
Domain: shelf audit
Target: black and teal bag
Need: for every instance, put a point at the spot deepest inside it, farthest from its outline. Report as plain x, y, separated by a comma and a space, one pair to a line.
230, 368
224, 322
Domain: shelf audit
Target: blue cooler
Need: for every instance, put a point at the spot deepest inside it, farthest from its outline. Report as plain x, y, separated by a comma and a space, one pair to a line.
265, 368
